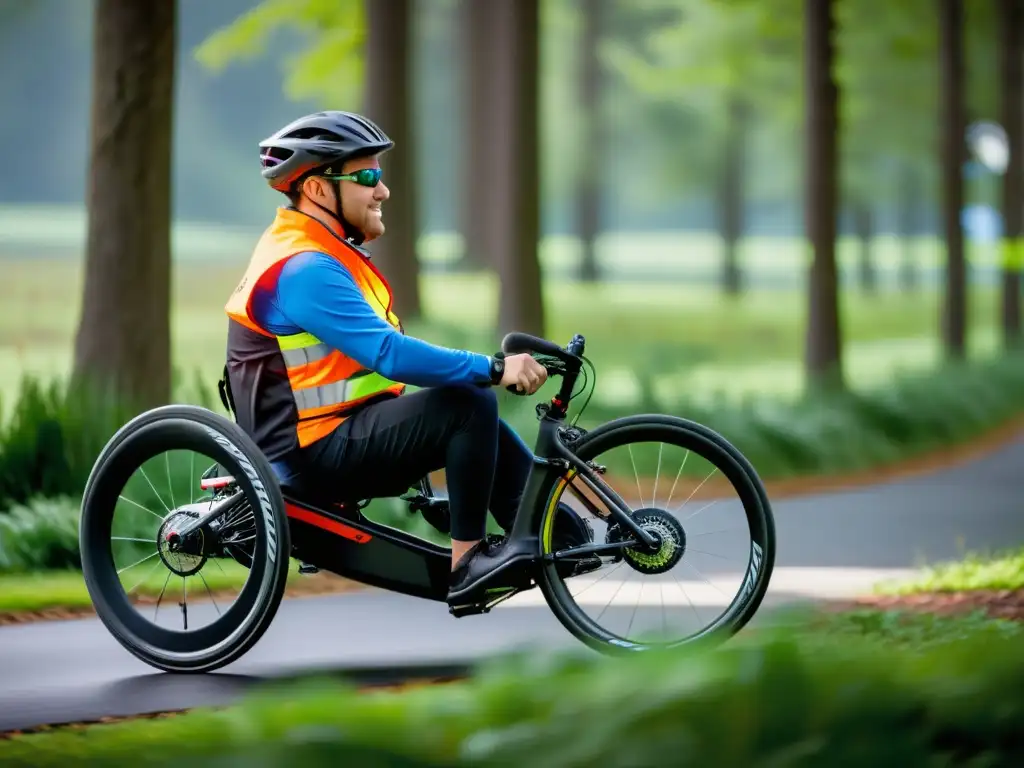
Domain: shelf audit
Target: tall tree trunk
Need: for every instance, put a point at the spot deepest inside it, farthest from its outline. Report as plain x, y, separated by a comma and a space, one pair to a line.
478, 28
589, 193
823, 358
1011, 17
951, 65
389, 103
730, 191
908, 194
863, 225
516, 214
123, 344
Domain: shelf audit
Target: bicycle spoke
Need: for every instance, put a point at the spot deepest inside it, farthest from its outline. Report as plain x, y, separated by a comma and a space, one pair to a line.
184, 603
144, 509
639, 599
137, 562
680, 472
713, 471
657, 474
160, 597
709, 504
636, 474
148, 574
170, 485
209, 592
158, 496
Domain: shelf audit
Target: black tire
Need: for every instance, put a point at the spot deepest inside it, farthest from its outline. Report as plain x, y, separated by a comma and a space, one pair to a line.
183, 427
733, 465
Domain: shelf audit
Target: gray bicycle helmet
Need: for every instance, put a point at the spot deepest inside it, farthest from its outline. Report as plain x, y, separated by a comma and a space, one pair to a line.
315, 141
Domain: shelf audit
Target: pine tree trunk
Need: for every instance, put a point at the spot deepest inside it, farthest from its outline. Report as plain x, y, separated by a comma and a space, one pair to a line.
589, 194
909, 195
516, 213
863, 225
123, 344
951, 65
730, 191
478, 27
823, 360
1011, 17
389, 104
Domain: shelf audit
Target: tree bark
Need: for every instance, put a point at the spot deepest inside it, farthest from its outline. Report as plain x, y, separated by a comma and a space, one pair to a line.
909, 195
589, 193
123, 344
730, 191
1011, 17
823, 357
389, 104
951, 66
863, 225
478, 27
516, 185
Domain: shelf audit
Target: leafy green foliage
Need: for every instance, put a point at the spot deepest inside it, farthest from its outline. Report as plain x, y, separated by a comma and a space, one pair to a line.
54, 433
41, 535
974, 572
792, 696
330, 68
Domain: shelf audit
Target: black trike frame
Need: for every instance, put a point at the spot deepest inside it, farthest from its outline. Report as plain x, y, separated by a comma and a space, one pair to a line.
337, 537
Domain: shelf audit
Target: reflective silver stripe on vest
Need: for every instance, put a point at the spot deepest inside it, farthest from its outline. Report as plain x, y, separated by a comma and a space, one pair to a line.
327, 394
304, 355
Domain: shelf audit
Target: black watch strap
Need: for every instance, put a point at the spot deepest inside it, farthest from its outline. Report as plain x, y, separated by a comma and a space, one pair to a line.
497, 369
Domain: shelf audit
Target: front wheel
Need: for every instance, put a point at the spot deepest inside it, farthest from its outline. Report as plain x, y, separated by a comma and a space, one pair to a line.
148, 540
639, 597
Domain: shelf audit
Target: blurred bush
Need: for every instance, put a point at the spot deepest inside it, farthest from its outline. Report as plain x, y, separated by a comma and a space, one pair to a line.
54, 433
41, 535
776, 697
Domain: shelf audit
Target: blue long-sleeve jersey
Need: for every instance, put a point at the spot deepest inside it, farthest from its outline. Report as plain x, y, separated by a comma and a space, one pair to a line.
315, 294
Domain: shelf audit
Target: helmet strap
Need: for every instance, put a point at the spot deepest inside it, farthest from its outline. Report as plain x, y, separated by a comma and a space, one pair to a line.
350, 231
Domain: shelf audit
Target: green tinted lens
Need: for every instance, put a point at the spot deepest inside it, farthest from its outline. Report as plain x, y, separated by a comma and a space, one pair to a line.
367, 177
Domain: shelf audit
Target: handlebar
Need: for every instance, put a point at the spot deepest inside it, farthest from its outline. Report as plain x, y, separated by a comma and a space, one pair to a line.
516, 343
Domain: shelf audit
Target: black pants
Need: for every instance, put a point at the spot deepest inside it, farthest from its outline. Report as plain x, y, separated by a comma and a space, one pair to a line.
386, 448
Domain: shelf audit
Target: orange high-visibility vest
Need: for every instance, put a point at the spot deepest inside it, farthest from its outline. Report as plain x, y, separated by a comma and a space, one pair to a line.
326, 384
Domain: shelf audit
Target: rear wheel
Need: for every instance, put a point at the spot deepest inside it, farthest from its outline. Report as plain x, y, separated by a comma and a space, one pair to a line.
244, 547
692, 489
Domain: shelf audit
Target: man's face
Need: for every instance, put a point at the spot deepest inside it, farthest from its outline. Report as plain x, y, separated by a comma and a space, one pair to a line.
360, 205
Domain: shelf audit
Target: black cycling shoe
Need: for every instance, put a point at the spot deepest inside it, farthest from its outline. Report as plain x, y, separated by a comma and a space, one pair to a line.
488, 563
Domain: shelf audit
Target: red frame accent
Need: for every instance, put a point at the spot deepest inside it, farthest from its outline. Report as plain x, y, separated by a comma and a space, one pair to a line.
325, 523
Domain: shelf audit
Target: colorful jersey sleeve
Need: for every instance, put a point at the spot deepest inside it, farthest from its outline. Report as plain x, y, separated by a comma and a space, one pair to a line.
316, 294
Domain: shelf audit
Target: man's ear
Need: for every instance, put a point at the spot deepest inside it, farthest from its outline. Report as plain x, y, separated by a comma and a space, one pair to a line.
314, 187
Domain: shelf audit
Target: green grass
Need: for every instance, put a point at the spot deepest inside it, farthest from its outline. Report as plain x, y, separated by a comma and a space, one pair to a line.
976, 571
25, 592
687, 338
847, 690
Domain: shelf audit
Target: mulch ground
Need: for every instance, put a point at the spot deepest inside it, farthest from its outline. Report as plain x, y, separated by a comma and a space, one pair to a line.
1001, 604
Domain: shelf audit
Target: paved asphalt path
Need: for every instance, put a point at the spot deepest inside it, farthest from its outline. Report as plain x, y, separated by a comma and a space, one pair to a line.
830, 545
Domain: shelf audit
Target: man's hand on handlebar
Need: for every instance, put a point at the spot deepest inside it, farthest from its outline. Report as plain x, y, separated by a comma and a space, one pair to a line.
523, 374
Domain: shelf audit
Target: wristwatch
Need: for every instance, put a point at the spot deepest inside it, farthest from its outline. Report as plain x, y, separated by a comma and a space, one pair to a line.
497, 369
